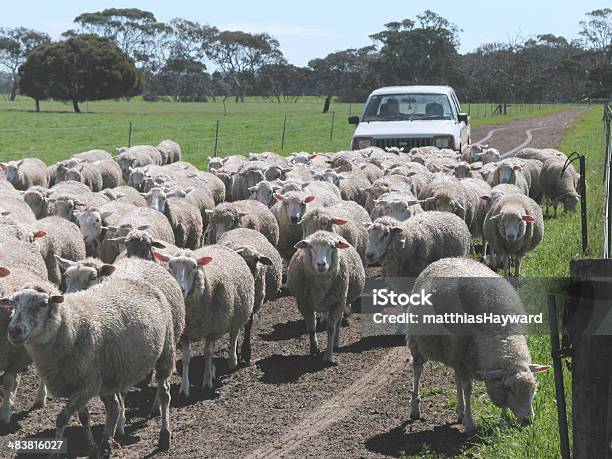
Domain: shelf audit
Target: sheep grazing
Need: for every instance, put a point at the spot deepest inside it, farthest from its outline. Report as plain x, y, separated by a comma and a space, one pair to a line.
265, 264
95, 334
325, 275
62, 239
404, 249
219, 293
25, 173
170, 151
513, 226
346, 219
15, 359
184, 217
242, 214
560, 186
86, 174
499, 357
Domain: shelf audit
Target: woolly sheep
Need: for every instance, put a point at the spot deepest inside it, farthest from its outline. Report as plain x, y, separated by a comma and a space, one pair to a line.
170, 151
91, 156
87, 174
23, 255
404, 249
325, 276
352, 185
346, 219
558, 185
12, 229
249, 175
96, 335
451, 196
110, 172
242, 214
513, 226
219, 293
125, 194
83, 274
541, 154
25, 173
16, 207
264, 192
137, 156
506, 172
289, 211
385, 185
400, 206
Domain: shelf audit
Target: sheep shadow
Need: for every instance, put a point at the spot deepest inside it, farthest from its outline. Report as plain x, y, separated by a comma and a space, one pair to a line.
445, 440
367, 343
196, 374
75, 441
14, 426
283, 369
285, 331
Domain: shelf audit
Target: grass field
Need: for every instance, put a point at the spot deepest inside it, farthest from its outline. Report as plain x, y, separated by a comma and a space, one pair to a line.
256, 125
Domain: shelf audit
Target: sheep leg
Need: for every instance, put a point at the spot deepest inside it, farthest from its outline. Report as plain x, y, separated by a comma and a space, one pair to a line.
41, 395
209, 352
163, 393
311, 325
468, 421
460, 399
333, 320
89, 438
232, 358
415, 401
517, 266
337, 333
10, 382
121, 421
185, 359
245, 350
74, 405
111, 402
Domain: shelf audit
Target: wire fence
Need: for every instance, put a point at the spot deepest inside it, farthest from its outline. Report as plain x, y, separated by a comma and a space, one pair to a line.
607, 119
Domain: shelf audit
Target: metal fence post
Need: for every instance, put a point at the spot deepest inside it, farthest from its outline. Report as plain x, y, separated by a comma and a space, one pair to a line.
283, 136
331, 132
217, 138
583, 205
130, 135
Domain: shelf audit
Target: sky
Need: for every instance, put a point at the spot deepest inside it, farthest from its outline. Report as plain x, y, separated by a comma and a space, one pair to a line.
314, 28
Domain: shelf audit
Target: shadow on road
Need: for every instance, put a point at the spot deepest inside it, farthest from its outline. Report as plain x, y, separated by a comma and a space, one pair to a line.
283, 369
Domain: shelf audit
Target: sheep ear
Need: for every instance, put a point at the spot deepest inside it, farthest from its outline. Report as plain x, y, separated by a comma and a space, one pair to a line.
535, 368
65, 264
279, 197
4, 271
302, 244
143, 227
106, 270
3, 165
516, 167
342, 245
339, 221
396, 229
57, 299
204, 261
160, 256
528, 218
265, 261
491, 374
38, 234
106, 214
158, 245
309, 199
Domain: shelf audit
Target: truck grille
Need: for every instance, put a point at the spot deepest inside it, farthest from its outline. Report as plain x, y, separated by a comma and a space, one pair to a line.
407, 142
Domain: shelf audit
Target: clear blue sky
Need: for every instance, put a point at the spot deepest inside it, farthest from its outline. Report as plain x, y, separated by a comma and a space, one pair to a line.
314, 28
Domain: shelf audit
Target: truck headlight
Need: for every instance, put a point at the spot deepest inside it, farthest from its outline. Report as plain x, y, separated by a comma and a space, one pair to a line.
362, 142
444, 142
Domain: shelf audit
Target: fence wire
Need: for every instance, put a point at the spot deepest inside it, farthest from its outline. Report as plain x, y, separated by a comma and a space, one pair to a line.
607, 119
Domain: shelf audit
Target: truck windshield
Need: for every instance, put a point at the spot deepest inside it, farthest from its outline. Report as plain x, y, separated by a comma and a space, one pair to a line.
394, 107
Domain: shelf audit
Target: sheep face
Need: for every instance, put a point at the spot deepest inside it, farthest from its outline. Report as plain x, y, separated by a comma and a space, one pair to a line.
32, 314
512, 225
37, 201
65, 208
74, 175
380, 237
507, 173
90, 223
321, 222
263, 192
214, 163
223, 220
139, 244
253, 177
137, 179
81, 275
490, 155
330, 176
253, 258
570, 201
400, 210
321, 252
186, 270
11, 171
294, 206
274, 173
463, 170
300, 158
515, 391
156, 199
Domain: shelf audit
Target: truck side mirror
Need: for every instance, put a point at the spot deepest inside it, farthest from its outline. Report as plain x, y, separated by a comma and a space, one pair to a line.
462, 118
353, 120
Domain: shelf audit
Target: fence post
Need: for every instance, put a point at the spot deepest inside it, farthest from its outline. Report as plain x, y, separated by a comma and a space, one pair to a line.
130, 135
350, 108
224, 108
216, 138
331, 132
583, 205
283, 136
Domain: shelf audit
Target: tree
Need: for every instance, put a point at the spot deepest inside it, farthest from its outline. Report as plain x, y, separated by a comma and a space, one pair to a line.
281, 82
597, 31
79, 69
15, 47
240, 55
135, 32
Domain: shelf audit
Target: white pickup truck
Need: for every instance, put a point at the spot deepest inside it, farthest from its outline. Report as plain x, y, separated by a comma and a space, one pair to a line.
411, 116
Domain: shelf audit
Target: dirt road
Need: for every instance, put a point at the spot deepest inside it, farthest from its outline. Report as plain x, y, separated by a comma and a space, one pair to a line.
287, 403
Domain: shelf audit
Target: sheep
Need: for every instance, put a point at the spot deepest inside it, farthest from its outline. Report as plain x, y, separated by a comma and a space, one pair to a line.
12, 229
477, 189
400, 206
386, 184
346, 219
85, 345
264, 192
198, 197
466, 170
110, 173
37, 198
352, 184
513, 226
87, 174
499, 357
404, 249
451, 196
26, 173
184, 217
137, 156
170, 151
265, 264
64, 198
219, 294
15, 359
91, 156
541, 154
325, 275
289, 211
62, 238
15, 206
51, 171
125, 194
215, 163
507, 172
470, 153
300, 173
24, 255
213, 183
250, 174
242, 214
489, 155
82, 274
559, 185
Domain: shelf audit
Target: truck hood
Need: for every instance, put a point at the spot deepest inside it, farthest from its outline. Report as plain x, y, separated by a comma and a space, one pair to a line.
424, 128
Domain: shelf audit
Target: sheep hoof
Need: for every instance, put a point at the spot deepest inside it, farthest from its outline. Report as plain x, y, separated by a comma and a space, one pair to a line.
345, 322
164, 440
328, 357
232, 364
415, 412
468, 426
314, 349
184, 390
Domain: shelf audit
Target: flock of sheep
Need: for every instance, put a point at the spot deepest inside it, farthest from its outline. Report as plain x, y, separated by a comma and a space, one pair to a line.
102, 282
